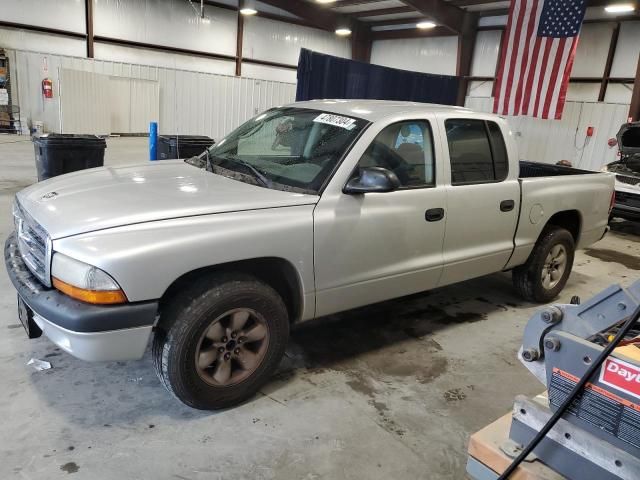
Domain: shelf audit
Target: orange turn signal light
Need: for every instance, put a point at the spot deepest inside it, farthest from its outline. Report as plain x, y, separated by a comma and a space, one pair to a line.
99, 297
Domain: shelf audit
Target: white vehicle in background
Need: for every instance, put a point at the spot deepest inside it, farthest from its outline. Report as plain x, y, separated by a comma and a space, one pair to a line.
627, 171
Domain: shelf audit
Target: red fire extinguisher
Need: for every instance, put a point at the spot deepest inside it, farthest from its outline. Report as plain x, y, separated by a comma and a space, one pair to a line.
47, 88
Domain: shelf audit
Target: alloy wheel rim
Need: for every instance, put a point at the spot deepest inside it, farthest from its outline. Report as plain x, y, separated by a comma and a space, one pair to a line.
554, 266
232, 347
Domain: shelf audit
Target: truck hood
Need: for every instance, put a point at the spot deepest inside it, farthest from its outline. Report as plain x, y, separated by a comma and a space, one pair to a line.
108, 197
627, 178
629, 139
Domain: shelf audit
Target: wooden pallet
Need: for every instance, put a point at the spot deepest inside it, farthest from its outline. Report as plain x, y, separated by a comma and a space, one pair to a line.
484, 446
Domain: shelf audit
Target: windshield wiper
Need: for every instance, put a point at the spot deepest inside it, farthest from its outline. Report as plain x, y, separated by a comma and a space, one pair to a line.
208, 165
196, 161
256, 173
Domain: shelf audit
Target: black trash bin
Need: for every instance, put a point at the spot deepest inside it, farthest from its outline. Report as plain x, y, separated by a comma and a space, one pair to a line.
182, 146
64, 153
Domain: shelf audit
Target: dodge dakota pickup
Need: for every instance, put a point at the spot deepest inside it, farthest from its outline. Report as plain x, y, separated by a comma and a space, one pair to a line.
303, 211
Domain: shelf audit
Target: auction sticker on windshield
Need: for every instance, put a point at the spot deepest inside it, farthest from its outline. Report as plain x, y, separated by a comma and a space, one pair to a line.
336, 120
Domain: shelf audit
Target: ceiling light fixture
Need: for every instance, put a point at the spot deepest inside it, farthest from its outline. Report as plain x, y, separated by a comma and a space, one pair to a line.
325, 1
248, 11
343, 32
425, 25
619, 8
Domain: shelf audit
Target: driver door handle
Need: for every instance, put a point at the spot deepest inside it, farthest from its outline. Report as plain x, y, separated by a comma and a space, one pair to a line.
434, 214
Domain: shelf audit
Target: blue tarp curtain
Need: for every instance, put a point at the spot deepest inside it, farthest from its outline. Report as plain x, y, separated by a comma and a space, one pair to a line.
326, 76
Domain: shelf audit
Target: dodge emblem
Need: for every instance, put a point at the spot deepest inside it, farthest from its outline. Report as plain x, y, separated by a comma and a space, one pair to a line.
49, 196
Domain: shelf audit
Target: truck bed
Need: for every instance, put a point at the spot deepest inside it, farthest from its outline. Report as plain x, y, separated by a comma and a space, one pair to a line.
536, 169
545, 191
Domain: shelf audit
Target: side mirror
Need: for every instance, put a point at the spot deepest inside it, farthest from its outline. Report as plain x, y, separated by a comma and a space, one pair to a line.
372, 180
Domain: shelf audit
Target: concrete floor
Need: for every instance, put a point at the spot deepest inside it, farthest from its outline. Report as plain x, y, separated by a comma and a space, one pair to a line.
390, 391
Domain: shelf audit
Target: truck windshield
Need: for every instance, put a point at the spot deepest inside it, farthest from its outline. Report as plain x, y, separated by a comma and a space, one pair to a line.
286, 148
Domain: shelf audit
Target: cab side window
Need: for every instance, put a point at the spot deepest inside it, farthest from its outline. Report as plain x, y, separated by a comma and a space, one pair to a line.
405, 148
477, 151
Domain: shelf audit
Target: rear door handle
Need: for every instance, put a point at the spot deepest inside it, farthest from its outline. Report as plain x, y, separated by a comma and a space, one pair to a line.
507, 205
434, 214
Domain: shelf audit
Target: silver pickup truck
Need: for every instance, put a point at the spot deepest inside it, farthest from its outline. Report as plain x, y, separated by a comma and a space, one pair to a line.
303, 211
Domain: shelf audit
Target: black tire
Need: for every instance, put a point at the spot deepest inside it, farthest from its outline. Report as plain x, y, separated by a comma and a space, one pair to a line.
187, 317
527, 278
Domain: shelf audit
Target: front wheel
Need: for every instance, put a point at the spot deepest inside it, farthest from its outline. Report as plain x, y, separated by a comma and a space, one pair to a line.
544, 275
220, 341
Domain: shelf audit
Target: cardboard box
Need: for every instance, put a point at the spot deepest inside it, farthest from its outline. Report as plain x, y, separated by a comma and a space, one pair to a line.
5, 120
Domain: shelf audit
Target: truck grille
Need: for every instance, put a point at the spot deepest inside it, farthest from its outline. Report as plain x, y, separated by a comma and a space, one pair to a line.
629, 199
628, 180
33, 243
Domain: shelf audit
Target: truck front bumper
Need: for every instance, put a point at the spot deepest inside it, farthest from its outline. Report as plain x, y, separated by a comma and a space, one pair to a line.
86, 331
627, 205
627, 212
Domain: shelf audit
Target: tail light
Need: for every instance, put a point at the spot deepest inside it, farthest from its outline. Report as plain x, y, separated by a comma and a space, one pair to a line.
613, 201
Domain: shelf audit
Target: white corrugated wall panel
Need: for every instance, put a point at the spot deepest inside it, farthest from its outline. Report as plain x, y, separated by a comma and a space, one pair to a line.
593, 48
23, 40
168, 96
550, 141
167, 22
28, 71
590, 60
481, 104
280, 42
428, 55
494, 21
286, 75
145, 104
120, 104
61, 14
194, 103
266, 8
485, 53
583, 92
84, 102
625, 60
619, 93
480, 88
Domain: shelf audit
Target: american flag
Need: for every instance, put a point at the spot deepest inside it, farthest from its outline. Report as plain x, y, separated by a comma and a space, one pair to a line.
538, 49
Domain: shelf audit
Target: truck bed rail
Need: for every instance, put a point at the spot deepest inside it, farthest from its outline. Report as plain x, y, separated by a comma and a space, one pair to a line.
536, 169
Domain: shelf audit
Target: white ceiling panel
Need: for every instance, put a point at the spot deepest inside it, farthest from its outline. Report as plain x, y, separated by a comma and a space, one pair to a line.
599, 13
429, 55
383, 28
498, 21
487, 6
266, 8
391, 16
367, 7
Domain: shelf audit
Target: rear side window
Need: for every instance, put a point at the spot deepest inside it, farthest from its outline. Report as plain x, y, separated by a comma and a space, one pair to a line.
477, 152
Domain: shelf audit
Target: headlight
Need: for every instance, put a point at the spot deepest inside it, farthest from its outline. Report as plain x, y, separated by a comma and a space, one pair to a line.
84, 282
15, 211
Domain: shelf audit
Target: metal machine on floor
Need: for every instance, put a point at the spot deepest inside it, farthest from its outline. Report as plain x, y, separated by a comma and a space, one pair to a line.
597, 434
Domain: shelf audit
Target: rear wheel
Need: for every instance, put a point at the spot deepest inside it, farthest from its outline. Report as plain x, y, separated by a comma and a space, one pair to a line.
544, 275
220, 341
